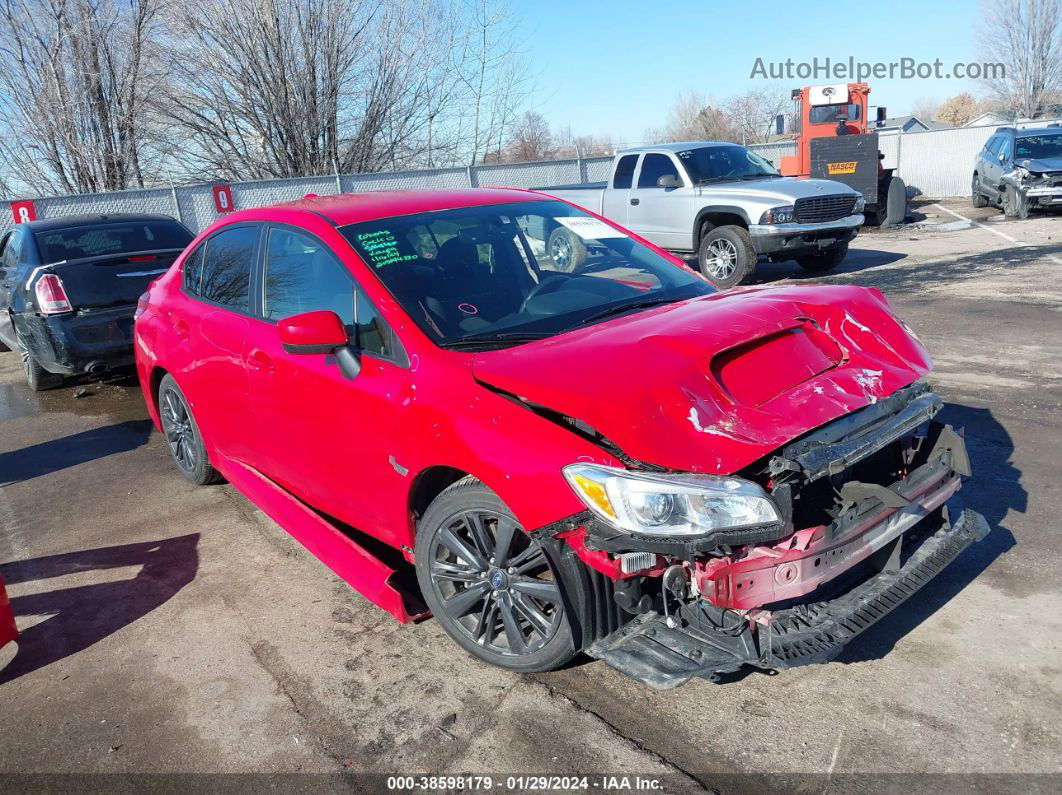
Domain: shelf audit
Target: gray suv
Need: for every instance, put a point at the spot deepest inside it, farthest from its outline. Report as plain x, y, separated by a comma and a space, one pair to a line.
1019, 170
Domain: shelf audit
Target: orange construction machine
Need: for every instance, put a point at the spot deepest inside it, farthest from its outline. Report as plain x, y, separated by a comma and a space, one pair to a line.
835, 140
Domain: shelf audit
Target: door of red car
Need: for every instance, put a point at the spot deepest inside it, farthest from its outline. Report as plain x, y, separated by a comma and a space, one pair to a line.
325, 438
212, 320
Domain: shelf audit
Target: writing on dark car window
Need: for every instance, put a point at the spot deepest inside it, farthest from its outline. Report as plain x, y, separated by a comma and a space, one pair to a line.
382, 248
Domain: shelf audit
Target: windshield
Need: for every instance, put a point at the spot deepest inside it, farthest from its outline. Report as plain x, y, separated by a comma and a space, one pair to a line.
1035, 147
57, 245
712, 163
508, 273
831, 114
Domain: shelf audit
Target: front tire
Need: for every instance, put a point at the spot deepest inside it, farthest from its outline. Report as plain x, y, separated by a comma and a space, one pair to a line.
492, 587
566, 249
1015, 205
182, 435
726, 256
895, 203
977, 199
823, 261
37, 377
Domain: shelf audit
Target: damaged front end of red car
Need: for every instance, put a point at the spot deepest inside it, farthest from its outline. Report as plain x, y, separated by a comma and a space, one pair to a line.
867, 513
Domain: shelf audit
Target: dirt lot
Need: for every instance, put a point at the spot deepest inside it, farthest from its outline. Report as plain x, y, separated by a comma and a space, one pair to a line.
173, 629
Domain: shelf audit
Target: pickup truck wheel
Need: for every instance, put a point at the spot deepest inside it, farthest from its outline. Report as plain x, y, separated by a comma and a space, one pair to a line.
1015, 205
977, 199
492, 587
37, 377
895, 203
182, 435
726, 256
566, 249
823, 261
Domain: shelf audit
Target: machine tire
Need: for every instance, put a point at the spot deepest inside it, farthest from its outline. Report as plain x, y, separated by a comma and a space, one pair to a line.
1014, 204
37, 377
180, 429
566, 249
977, 199
823, 261
732, 243
503, 600
895, 203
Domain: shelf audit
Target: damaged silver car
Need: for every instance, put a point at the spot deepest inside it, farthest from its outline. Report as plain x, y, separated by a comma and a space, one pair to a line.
1019, 170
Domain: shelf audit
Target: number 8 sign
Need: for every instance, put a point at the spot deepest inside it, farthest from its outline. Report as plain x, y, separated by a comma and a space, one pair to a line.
23, 212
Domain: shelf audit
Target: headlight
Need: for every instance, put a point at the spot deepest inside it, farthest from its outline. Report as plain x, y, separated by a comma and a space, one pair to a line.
778, 215
670, 505
861, 203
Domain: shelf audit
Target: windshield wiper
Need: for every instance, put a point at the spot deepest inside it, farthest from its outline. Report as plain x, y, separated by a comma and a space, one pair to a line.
477, 340
644, 303
759, 176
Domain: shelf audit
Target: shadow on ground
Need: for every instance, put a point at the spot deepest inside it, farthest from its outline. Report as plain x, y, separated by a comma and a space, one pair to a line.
67, 451
83, 615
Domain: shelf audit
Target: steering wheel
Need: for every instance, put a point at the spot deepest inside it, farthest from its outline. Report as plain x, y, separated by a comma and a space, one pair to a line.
540, 288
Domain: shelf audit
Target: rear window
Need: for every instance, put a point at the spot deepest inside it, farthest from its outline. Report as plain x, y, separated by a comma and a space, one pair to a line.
78, 242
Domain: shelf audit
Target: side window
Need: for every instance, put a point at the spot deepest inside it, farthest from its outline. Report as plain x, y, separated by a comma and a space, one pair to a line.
993, 145
302, 275
10, 247
624, 177
373, 335
1005, 149
227, 267
655, 166
192, 270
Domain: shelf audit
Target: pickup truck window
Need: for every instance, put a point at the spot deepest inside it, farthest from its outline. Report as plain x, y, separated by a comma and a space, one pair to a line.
625, 172
510, 273
726, 162
655, 166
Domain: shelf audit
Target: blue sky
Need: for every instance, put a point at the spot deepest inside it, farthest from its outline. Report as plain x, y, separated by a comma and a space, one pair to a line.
617, 67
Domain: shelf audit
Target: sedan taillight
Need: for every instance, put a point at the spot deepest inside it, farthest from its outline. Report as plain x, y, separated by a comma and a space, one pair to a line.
51, 297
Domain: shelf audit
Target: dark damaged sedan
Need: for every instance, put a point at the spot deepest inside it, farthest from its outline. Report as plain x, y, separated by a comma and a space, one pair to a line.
69, 287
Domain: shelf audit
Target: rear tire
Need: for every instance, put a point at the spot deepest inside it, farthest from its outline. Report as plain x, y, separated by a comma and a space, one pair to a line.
1014, 204
510, 612
895, 203
977, 199
823, 261
566, 249
726, 256
37, 377
182, 435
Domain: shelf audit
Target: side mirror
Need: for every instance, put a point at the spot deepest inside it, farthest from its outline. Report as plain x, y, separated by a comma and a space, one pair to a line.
669, 181
1002, 157
312, 332
883, 114
779, 124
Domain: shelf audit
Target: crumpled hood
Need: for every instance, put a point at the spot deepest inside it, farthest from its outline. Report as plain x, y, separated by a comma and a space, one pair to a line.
715, 383
1044, 164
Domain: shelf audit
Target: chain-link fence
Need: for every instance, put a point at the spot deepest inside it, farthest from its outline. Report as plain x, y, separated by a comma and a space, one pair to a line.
936, 163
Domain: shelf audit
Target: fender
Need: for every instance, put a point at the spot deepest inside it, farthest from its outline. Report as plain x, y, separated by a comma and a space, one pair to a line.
716, 208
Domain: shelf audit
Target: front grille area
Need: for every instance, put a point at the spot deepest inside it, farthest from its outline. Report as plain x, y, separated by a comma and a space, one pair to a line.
818, 209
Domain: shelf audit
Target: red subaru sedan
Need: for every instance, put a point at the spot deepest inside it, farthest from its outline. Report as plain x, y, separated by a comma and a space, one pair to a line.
615, 459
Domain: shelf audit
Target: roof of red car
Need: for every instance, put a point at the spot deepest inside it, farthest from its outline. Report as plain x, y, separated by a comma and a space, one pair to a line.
350, 208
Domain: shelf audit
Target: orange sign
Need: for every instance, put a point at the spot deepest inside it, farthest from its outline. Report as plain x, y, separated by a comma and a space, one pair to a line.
841, 168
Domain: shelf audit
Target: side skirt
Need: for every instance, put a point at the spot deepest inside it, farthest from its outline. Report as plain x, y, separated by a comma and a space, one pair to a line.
363, 572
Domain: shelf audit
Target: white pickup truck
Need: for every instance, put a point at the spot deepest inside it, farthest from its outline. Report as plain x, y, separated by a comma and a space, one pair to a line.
723, 202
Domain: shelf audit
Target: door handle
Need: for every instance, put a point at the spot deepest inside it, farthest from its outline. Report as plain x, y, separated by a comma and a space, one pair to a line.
636, 201
260, 360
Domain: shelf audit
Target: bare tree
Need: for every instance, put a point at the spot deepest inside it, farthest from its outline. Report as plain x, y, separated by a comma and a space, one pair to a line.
752, 114
694, 118
76, 80
1025, 36
927, 108
959, 109
530, 139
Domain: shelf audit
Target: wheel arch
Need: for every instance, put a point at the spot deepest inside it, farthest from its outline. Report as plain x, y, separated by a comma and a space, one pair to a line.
717, 215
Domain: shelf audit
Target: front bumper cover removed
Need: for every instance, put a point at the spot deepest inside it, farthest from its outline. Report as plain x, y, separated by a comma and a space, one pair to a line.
663, 656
